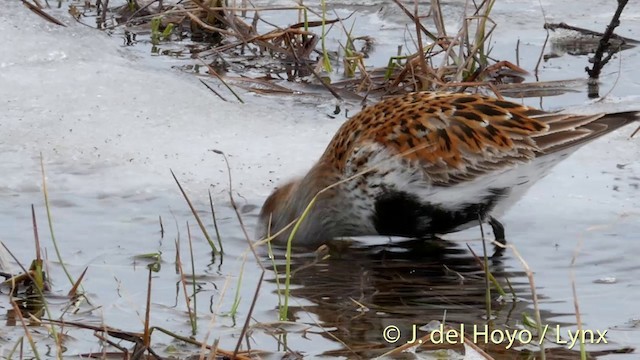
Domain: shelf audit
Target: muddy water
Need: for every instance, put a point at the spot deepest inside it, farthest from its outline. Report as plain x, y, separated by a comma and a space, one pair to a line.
340, 306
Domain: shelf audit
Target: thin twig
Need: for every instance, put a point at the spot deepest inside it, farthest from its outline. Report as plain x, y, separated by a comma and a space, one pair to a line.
534, 297
324, 83
237, 210
410, 15
213, 90
34, 348
544, 45
487, 299
423, 61
575, 299
246, 322
146, 337
213, 72
195, 214
215, 223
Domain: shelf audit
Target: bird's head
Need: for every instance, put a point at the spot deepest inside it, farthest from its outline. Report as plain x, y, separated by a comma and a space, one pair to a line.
288, 202
277, 211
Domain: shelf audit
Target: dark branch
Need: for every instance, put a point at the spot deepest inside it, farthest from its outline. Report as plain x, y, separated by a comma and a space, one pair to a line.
598, 61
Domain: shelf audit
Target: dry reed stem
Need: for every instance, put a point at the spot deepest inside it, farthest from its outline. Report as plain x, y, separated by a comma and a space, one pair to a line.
18, 313
73, 292
207, 26
203, 345
183, 281
411, 16
213, 72
251, 308
295, 42
195, 214
575, 297
138, 337
256, 9
237, 210
251, 246
534, 295
146, 337
215, 222
213, 90
38, 10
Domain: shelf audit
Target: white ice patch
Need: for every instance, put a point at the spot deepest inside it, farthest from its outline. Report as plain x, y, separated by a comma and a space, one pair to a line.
106, 122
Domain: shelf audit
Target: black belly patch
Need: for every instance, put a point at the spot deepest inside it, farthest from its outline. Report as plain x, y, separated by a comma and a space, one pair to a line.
399, 213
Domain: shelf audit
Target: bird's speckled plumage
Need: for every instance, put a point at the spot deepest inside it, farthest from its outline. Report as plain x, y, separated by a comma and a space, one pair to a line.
428, 163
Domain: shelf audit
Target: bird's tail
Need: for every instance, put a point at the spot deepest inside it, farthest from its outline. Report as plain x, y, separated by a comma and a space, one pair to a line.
573, 131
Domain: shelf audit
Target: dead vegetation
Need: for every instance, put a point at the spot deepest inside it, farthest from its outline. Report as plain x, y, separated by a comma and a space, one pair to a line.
228, 37
240, 48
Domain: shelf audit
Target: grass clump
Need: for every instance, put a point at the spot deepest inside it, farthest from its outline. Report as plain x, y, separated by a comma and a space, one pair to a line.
232, 36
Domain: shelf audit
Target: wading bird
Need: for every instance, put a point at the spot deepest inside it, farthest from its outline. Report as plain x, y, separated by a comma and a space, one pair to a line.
423, 164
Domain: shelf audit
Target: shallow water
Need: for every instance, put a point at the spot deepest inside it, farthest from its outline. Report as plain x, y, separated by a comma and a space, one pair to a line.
110, 123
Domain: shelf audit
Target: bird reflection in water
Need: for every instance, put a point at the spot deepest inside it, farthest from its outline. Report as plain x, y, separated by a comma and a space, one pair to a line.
358, 291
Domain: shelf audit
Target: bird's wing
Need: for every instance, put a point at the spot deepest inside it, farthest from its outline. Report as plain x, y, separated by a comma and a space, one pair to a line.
459, 137
572, 131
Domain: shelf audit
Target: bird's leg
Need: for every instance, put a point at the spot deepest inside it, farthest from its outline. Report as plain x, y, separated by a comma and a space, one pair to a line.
498, 233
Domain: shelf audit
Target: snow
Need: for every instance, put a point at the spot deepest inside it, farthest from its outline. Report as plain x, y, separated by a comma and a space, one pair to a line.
97, 114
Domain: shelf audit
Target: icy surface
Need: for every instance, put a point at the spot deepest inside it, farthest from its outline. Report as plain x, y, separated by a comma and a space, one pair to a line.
110, 127
97, 114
